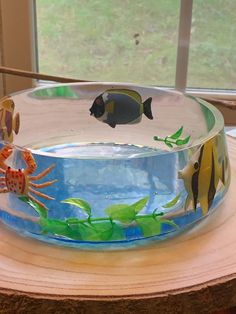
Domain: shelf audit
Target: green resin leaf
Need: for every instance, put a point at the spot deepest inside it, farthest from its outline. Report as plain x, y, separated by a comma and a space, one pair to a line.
177, 134
126, 213
139, 205
173, 139
169, 222
89, 233
172, 202
121, 212
149, 226
157, 214
39, 209
102, 231
54, 226
82, 204
72, 221
60, 228
169, 144
183, 142
118, 233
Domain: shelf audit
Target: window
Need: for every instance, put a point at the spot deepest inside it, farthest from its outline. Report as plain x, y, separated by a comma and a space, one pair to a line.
212, 57
109, 40
135, 41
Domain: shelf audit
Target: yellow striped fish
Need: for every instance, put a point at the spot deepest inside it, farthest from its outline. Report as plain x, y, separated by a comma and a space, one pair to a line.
201, 176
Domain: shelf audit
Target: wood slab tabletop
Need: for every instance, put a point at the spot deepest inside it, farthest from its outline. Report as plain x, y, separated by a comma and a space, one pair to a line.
191, 273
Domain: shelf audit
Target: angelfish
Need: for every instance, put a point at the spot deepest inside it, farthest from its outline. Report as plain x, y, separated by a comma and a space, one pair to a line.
202, 175
8, 122
121, 106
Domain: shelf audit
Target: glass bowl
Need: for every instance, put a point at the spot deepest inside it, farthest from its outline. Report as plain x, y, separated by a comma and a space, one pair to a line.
109, 164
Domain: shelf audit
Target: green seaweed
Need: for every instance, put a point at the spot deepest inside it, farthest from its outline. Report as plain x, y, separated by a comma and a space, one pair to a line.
54, 226
80, 230
151, 226
177, 133
172, 202
101, 231
139, 205
174, 139
125, 213
110, 228
39, 209
82, 204
121, 212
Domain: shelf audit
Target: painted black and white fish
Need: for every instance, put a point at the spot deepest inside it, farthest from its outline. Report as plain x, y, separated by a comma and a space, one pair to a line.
120, 106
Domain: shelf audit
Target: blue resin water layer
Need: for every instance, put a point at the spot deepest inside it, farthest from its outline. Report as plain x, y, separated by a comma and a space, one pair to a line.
115, 193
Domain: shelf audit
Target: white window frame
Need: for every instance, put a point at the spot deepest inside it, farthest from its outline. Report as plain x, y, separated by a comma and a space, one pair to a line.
185, 21
18, 21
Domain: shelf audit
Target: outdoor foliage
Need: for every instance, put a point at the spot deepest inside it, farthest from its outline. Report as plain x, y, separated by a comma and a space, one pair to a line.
136, 41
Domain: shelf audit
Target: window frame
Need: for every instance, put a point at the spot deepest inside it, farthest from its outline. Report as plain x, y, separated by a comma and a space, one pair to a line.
14, 12
17, 36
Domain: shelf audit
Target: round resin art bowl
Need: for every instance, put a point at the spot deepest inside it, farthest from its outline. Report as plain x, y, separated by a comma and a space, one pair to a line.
108, 164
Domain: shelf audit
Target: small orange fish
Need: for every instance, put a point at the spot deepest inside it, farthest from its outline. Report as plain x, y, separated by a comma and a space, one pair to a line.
8, 123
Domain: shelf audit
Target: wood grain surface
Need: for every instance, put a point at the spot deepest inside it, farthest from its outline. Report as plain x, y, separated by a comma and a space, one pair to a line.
192, 273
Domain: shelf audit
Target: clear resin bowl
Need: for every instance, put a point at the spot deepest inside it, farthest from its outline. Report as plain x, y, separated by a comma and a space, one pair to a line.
109, 164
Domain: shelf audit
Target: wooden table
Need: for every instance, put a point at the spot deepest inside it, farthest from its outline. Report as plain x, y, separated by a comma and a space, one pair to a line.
192, 273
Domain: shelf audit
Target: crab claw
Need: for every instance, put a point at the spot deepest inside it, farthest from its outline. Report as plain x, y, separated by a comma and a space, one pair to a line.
5, 152
30, 162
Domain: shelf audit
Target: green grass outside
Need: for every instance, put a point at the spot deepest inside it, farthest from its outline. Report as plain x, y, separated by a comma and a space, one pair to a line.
136, 41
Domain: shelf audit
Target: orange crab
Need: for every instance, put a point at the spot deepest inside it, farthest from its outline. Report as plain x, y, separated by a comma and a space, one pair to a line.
20, 181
